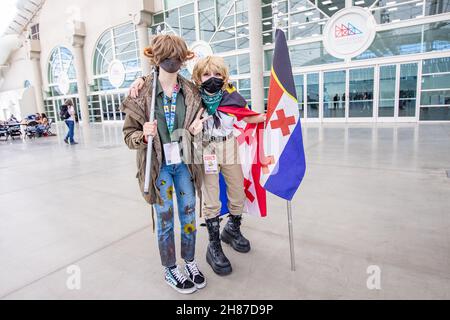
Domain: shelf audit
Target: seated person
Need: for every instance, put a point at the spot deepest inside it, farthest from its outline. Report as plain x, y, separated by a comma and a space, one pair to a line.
12, 119
42, 124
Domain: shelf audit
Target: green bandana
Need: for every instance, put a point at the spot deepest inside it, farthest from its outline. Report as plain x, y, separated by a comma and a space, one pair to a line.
212, 102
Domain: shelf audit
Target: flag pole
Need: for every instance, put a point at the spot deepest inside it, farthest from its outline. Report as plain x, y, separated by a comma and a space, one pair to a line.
276, 24
291, 234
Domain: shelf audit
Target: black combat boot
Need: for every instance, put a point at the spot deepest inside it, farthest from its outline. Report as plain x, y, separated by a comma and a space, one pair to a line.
214, 254
232, 235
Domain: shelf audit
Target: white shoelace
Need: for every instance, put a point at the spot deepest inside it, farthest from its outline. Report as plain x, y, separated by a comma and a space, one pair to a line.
193, 268
178, 275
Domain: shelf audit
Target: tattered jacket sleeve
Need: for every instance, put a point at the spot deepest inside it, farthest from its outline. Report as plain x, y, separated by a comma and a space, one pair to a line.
133, 133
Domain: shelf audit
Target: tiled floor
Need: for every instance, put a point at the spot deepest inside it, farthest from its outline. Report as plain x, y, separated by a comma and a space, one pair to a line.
373, 195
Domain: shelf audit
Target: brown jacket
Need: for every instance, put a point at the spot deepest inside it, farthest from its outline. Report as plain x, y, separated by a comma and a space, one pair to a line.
137, 113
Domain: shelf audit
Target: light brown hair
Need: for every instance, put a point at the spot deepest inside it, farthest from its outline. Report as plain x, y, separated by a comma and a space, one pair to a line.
213, 64
166, 46
68, 102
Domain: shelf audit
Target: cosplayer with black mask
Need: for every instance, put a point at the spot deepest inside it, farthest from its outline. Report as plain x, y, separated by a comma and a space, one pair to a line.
213, 84
171, 65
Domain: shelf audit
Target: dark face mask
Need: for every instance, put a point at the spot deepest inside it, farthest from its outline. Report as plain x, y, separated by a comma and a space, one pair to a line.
213, 85
171, 65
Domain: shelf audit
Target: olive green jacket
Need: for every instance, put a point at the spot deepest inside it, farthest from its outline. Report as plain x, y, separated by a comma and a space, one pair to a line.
137, 113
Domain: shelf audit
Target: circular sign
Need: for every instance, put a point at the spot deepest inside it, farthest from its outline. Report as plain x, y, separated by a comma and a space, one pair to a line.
63, 83
349, 32
116, 73
201, 49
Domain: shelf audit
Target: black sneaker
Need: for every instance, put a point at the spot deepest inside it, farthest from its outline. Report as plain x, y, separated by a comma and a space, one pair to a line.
73, 143
178, 281
195, 274
66, 141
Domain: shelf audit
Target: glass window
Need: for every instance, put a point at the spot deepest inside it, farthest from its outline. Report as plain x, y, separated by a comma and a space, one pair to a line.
387, 11
361, 93
176, 3
436, 65
187, 9
207, 24
435, 113
435, 95
299, 83
310, 54
408, 90
268, 57
436, 36
223, 46
232, 65
312, 91
173, 20
386, 105
205, 4
433, 7
436, 81
61, 64
118, 43
364, 3
334, 94
331, 7
188, 29
395, 42
244, 63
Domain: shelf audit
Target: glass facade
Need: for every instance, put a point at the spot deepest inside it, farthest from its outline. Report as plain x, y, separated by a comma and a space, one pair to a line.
118, 43
60, 68
435, 93
403, 76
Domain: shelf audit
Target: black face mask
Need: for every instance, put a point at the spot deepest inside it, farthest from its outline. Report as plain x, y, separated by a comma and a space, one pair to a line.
213, 85
171, 65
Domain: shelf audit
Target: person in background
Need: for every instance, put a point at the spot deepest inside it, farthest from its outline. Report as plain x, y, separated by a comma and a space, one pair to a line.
42, 124
68, 114
12, 119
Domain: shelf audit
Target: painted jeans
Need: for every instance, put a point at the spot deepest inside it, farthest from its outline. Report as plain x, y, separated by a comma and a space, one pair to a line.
176, 178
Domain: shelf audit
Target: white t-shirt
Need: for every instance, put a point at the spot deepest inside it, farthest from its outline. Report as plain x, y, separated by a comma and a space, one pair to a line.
71, 111
225, 128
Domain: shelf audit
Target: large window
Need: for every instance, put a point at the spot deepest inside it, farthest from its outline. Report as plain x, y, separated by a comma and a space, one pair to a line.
361, 92
61, 73
386, 105
409, 40
334, 94
408, 90
388, 11
435, 94
118, 43
312, 95
221, 23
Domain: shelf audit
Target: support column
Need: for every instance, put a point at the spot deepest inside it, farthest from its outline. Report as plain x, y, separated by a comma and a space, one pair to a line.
34, 54
142, 21
77, 40
256, 55
141, 12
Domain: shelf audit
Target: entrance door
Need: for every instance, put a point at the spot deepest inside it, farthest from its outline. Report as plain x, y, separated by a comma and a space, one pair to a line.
360, 91
387, 93
398, 92
334, 83
111, 106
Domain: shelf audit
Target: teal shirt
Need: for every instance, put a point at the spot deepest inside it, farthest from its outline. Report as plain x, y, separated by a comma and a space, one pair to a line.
180, 114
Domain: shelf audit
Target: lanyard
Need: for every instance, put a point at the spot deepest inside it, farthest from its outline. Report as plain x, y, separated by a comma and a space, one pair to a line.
170, 113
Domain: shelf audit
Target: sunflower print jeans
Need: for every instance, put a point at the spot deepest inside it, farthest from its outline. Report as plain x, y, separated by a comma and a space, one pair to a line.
176, 179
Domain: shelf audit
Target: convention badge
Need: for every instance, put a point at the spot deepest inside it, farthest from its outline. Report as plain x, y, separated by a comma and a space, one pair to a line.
172, 153
210, 162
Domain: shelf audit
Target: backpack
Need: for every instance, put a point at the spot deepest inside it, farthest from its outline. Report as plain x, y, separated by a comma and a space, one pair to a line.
64, 112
